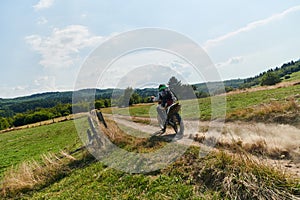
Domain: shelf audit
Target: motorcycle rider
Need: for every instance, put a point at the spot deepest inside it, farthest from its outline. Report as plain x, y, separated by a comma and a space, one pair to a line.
165, 98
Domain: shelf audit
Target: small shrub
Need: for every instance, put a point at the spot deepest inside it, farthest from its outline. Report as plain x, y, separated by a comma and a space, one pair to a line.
270, 78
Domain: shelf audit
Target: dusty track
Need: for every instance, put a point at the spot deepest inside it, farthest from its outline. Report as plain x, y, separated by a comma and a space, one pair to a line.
285, 138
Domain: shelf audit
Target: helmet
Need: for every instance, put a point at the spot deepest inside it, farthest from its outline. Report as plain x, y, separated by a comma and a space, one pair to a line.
161, 87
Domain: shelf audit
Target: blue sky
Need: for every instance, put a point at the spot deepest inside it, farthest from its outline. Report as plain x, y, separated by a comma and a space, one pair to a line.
45, 42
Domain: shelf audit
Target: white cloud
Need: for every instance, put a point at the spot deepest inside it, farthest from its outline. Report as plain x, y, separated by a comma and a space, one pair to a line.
83, 16
40, 84
45, 83
19, 88
43, 4
42, 20
231, 61
62, 48
250, 26
13, 91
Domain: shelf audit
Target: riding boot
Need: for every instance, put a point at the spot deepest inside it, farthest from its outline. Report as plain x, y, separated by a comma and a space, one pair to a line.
165, 127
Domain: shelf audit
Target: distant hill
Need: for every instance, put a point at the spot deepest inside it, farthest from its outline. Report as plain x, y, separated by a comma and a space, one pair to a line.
215, 87
9, 107
282, 72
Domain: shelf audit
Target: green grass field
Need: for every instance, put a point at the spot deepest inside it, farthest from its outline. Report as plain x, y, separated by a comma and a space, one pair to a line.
216, 176
294, 77
27, 144
99, 182
201, 108
219, 175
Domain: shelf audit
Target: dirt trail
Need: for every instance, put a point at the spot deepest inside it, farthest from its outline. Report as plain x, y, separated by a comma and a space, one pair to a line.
274, 137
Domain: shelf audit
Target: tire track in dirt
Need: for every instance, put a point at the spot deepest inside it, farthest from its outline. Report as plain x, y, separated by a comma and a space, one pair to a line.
274, 136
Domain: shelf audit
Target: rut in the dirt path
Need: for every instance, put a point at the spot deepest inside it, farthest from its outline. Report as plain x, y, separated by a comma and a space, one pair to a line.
276, 144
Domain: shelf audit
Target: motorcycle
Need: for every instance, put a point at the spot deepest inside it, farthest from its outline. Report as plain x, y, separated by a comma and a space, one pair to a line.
173, 119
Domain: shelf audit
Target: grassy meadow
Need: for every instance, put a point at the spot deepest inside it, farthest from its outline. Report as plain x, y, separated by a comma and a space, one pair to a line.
294, 77
219, 175
281, 100
31, 143
40, 162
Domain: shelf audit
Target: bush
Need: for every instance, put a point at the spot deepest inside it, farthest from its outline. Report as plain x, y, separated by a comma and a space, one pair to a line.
287, 77
4, 124
270, 78
37, 117
19, 119
228, 88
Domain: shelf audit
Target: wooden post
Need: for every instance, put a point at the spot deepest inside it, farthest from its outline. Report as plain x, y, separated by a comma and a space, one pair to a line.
101, 118
92, 125
88, 132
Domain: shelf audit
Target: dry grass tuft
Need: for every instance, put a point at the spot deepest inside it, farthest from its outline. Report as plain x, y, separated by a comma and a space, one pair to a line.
31, 175
234, 176
141, 120
131, 143
198, 138
260, 148
257, 148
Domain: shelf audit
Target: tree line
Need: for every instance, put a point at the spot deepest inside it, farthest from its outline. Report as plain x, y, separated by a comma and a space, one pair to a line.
36, 115
40, 107
273, 76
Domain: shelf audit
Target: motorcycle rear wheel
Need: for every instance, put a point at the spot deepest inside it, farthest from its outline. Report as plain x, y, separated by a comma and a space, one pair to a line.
177, 124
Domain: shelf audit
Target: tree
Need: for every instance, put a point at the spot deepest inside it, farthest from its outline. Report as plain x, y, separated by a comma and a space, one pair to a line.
194, 87
182, 91
270, 78
201, 94
174, 85
135, 98
60, 110
99, 104
38, 116
125, 100
81, 107
4, 124
107, 103
228, 88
